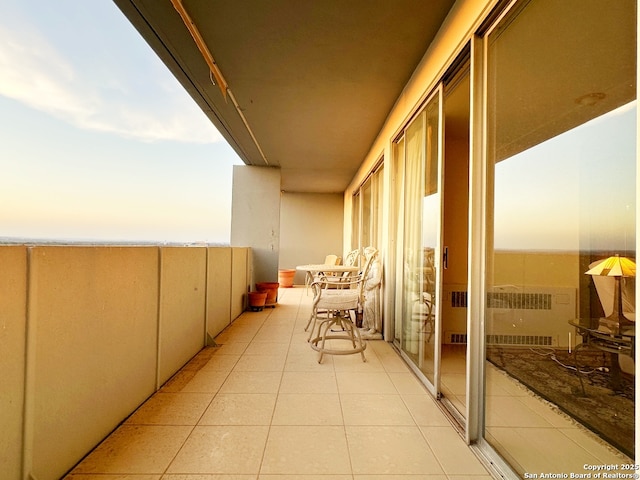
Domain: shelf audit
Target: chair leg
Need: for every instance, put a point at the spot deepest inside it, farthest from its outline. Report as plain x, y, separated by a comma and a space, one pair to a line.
313, 321
359, 341
347, 326
311, 318
336, 323
327, 325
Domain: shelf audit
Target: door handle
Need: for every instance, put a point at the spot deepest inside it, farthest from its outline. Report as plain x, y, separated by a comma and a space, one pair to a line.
445, 258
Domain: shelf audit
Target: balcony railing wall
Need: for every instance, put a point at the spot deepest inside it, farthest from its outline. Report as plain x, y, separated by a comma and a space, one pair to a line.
88, 333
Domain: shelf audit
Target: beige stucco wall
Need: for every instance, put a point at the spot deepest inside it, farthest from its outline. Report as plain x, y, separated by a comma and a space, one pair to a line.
241, 266
310, 229
255, 217
182, 307
88, 333
218, 289
13, 297
91, 347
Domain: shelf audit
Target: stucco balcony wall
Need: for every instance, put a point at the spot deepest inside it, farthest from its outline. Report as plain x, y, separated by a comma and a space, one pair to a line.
88, 333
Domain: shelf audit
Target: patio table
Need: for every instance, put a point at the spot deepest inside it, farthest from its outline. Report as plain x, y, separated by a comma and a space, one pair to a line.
316, 269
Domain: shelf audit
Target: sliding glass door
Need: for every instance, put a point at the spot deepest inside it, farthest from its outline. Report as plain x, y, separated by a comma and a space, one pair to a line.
561, 151
421, 249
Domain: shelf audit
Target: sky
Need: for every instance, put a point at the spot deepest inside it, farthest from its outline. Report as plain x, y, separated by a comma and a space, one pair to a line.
572, 192
98, 140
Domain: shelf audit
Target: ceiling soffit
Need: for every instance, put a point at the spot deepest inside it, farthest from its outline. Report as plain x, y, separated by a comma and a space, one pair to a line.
314, 80
568, 75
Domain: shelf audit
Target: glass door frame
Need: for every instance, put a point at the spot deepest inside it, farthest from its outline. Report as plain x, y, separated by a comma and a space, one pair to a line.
479, 186
432, 386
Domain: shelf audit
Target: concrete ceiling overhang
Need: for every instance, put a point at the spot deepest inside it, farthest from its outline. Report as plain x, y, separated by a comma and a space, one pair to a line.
568, 75
314, 80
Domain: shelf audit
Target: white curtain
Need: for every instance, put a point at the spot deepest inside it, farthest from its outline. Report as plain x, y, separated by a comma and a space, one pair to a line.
413, 258
421, 229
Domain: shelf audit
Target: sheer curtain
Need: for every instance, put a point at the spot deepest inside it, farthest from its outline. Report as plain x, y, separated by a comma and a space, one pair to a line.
413, 258
395, 224
421, 229
430, 221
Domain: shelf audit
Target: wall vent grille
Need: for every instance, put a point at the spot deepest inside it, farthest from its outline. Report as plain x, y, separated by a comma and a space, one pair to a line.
537, 340
529, 340
516, 300
459, 299
458, 338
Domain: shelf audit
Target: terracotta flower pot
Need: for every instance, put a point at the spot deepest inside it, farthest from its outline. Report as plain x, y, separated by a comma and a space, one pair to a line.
285, 277
271, 288
257, 301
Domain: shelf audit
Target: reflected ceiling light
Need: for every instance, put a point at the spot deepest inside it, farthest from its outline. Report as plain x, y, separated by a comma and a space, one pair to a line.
616, 267
590, 99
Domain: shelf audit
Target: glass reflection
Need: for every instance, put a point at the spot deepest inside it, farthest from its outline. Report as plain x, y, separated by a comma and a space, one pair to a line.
421, 230
562, 197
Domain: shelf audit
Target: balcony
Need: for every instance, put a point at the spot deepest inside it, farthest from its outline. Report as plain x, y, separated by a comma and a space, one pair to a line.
259, 404
141, 360
88, 333
109, 343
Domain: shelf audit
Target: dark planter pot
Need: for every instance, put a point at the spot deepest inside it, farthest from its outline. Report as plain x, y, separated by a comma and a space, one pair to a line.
257, 301
271, 289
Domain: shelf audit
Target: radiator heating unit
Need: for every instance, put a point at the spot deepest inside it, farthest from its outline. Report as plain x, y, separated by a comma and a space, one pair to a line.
516, 316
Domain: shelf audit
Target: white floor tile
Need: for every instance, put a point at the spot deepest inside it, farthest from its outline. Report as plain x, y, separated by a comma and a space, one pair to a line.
308, 409
136, 449
398, 450
260, 407
306, 450
222, 449
240, 409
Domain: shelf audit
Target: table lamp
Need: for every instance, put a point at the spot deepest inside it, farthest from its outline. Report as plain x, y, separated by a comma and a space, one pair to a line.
616, 267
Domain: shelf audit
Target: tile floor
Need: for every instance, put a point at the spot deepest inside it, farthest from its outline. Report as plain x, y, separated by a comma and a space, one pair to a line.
260, 407
529, 432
